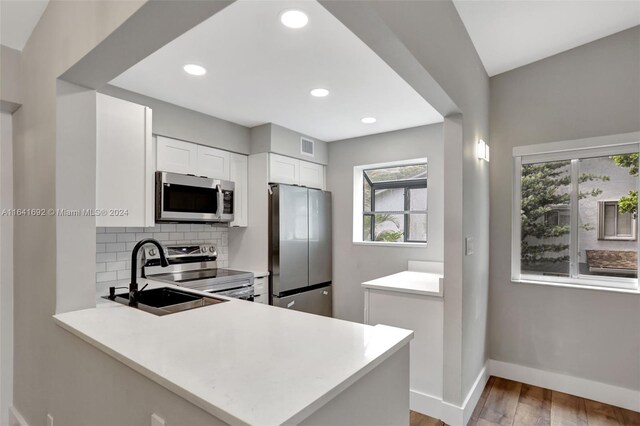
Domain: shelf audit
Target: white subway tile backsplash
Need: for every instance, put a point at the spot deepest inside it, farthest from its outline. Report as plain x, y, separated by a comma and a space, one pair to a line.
106, 238
106, 257
114, 245
124, 237
106, 276
168, 227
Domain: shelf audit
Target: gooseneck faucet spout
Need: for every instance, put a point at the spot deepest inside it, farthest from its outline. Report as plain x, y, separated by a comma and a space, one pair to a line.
133, 286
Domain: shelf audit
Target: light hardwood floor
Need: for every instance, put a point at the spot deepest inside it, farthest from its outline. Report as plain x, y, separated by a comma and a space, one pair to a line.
508, 403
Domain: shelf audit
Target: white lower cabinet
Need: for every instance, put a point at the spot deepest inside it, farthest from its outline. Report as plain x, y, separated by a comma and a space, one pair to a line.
238, 173
423, 315
124, 163
261, 289
292, 171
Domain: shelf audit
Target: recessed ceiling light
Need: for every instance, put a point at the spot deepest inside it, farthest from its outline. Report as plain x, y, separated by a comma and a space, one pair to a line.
294, 19
368, 120
319, 93
194, 69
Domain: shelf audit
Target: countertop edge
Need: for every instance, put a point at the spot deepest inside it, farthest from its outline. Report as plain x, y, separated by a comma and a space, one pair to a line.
346, 383
178, 390
403, 290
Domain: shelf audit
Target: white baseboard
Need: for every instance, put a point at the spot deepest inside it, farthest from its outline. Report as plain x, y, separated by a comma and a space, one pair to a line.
597, 391
15, 418
450, 414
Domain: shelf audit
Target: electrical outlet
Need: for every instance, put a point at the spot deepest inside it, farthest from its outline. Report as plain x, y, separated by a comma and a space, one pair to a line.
469, 246
49, 420
156, 420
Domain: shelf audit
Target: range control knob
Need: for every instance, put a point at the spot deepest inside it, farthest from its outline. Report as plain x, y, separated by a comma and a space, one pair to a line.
152, 252
203, 249
212, 249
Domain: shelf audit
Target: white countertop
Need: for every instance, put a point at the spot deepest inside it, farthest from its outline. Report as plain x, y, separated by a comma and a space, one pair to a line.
413, 282
243, 362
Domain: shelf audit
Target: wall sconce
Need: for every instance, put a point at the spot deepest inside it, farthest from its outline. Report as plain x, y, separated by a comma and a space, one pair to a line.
482, 150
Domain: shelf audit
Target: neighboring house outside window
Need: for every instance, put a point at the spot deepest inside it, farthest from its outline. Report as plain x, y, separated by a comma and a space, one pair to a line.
575, 216
390, 204
613, 225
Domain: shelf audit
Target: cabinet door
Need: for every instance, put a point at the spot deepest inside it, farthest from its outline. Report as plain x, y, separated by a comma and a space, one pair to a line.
176, 156
311, 175
238, 173
284, 169
213, 163
124, 160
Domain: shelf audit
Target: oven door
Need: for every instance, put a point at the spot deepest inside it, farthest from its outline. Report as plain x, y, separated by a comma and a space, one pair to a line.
184, 198
243, 292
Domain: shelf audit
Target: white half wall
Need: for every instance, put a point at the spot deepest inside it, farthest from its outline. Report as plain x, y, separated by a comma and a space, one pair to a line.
354, 264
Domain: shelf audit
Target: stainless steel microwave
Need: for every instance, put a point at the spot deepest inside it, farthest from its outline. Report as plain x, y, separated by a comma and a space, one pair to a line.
187, 198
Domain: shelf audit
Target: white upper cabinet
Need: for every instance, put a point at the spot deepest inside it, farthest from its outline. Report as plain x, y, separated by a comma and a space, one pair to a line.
213, 163
176, 156
188, 158
284, 169
238, 173
311, 175
124, 163
295, 172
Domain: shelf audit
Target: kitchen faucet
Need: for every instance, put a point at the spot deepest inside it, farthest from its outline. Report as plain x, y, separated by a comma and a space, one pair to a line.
133, 286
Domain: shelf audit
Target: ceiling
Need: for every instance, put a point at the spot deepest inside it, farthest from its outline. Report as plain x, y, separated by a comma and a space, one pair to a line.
260, 71
18, 18
511, 33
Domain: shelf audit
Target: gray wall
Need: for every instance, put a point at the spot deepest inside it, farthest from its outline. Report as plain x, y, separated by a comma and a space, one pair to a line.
592, 90
10, 81
188, 125
271, 137
354, 264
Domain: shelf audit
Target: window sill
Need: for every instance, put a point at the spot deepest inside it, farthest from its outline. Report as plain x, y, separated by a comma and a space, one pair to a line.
577, 286
386, 244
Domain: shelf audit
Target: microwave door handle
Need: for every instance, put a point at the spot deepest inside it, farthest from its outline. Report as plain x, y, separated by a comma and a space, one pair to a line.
220, 201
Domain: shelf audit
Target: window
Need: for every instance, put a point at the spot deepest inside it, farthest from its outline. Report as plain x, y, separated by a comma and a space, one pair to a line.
390, 202
575, 214
613, 224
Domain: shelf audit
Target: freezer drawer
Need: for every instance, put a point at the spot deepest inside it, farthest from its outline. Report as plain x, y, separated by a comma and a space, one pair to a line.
317, 301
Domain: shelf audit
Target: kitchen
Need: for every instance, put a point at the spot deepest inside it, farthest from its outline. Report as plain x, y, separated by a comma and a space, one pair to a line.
281, 191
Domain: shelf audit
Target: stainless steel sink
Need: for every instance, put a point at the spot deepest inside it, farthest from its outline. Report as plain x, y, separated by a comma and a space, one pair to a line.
166, 300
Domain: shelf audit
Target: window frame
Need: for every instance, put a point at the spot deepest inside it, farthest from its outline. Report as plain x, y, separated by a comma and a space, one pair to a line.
601, 223
573, 151
359, 212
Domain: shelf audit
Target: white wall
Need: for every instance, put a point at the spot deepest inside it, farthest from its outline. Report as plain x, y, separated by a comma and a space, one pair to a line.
271, 137
6, 268
354, 264
592, 90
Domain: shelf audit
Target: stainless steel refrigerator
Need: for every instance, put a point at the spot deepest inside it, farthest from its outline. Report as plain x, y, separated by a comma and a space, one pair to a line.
300, 249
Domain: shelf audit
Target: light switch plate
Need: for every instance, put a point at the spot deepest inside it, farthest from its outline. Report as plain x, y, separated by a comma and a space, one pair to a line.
469, 244
156, 420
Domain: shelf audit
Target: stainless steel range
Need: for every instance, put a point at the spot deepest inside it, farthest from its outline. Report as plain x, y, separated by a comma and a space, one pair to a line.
195, 266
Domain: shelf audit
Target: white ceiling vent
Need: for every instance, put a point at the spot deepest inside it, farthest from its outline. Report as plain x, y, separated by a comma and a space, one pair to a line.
307, 147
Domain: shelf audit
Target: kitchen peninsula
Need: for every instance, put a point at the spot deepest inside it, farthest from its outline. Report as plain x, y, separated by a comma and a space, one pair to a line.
314, 370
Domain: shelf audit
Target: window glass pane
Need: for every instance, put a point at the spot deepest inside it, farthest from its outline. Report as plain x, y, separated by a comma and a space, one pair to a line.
418, 199
545, 244
366, 227
389, 200
389, 227
624, 224
607, 207
417, 227
418, 171
367, 196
